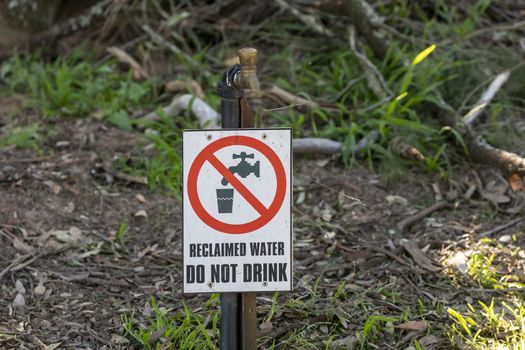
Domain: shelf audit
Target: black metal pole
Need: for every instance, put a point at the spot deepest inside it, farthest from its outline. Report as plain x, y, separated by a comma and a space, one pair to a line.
231, 118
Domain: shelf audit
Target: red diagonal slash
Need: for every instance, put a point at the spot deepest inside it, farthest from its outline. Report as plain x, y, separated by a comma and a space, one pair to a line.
238, 185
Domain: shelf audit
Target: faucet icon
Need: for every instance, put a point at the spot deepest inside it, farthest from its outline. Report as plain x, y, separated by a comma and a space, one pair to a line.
243, 168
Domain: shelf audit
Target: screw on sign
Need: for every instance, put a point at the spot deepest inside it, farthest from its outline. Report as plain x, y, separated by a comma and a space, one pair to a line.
243, 169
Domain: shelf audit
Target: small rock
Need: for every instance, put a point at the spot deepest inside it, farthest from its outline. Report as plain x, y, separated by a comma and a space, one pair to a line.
505, 239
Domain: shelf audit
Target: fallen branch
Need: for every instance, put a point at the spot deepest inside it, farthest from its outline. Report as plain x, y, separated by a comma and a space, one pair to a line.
308, 20
122, 56
207, 116
375, 80
316, 146
480, 151
485, 99
364, 17
507, 162
178, 86
284, 96
329, 147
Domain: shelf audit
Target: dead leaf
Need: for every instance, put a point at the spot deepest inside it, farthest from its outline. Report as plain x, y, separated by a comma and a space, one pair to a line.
69, 208
40, 289
266, 326
141, 213
495, 192
19, 287
21, 247
413, 325
405, 150
72, 235
419, 257
118, 339
53, 186
140, 198
516, 183
428, 340
345, 343
394, 199
19, 303
496, 198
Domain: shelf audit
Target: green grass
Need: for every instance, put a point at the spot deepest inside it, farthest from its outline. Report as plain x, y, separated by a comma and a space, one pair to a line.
28, 136
75, 87
181, 329
496, 326
498, 323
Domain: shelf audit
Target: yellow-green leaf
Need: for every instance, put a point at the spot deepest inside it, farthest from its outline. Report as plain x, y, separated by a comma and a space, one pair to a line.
423, 54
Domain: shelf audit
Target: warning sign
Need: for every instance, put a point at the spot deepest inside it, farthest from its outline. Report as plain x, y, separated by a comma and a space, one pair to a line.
237, 210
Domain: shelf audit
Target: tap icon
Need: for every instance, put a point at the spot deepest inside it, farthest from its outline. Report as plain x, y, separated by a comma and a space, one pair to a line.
243, 168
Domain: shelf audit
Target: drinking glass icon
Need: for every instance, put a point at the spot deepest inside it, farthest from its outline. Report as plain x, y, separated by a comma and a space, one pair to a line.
225, 200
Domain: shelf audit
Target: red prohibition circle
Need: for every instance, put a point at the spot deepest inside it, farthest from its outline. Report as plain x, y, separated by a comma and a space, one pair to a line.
207, 155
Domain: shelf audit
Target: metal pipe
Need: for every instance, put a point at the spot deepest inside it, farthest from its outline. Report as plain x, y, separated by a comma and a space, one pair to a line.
230, 95
231, 118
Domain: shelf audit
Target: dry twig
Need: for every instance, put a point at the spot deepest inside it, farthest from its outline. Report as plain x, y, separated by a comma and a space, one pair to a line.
402, 225
177, 86
282, 95
376, 82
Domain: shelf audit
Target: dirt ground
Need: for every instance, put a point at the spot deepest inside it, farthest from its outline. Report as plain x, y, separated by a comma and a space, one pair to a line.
67, 274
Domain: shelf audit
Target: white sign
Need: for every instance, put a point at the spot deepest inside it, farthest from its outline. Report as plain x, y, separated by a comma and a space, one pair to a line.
237, 233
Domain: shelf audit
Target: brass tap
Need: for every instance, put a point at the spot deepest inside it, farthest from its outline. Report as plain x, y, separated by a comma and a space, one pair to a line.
249, 82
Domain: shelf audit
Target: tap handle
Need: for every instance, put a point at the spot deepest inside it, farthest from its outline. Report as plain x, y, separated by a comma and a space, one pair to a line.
243, 156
